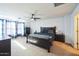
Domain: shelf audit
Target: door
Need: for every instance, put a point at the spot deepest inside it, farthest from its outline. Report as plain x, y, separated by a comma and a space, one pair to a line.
77, 31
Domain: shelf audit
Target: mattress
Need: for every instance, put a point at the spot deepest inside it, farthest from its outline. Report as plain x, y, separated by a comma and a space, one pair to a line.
42, 36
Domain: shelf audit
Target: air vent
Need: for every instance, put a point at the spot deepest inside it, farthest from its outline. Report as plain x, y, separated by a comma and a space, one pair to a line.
58, 4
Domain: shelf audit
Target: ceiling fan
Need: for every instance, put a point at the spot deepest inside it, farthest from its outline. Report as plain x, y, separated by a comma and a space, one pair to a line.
33, 17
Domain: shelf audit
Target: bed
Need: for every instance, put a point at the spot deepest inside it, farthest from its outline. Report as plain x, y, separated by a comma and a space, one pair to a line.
43, 38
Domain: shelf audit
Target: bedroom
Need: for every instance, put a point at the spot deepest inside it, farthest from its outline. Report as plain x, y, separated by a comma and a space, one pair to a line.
48, 14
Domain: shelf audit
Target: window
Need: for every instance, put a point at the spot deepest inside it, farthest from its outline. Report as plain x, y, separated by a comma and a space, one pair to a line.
0, 28
11, 28
20, 28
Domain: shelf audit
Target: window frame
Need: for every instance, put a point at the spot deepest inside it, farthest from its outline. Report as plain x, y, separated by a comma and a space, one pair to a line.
17, 26
2, 27
10, 22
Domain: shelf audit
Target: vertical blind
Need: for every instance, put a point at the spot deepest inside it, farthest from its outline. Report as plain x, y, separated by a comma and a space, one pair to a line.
0, 29
20, 28
12, 28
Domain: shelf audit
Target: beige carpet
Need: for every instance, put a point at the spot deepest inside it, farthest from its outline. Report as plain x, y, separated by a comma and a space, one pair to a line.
19, 47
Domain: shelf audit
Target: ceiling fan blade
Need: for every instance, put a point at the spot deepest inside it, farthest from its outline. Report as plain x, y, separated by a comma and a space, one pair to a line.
36, 18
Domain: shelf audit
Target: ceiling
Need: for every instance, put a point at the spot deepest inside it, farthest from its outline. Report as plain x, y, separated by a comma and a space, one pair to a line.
44, 10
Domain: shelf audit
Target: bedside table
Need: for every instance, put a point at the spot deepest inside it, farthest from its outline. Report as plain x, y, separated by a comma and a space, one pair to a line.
60, 37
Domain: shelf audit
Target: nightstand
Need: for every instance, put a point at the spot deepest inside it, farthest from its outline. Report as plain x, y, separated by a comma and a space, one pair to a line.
60, 37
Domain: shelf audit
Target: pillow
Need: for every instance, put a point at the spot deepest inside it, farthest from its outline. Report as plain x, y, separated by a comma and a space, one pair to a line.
44, 30
48, 30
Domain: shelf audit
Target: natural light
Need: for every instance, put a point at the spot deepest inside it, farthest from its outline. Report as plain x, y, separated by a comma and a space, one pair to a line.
20, 45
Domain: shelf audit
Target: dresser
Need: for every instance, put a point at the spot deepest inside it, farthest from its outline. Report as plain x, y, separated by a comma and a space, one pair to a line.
5, 46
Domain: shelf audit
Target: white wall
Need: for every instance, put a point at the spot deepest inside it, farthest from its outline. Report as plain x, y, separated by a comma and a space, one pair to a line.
58, 22
75, 12
68, 29
69, 26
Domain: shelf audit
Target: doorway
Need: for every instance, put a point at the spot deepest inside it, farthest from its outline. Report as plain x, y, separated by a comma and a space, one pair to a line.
76, 30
